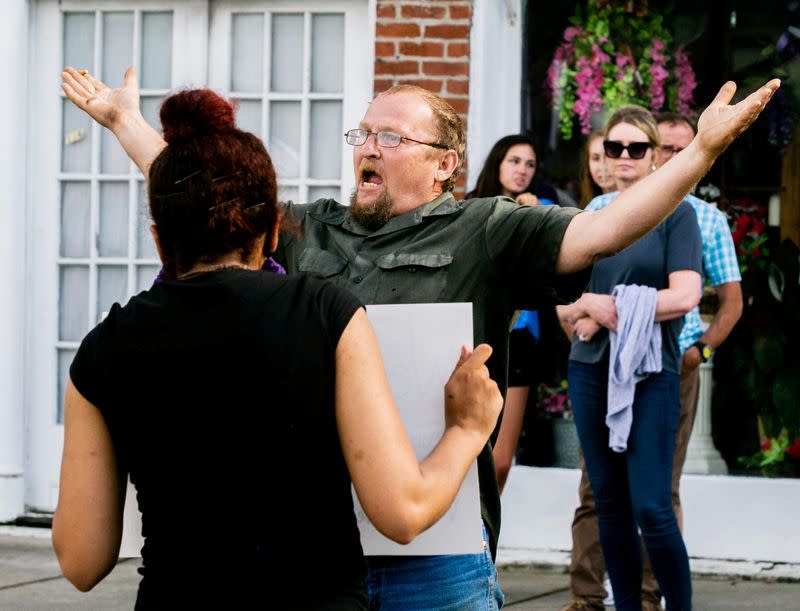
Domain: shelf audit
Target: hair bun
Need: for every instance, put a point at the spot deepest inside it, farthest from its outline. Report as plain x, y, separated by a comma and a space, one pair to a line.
194, 113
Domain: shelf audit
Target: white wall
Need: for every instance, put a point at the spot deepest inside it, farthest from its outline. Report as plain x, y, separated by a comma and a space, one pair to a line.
495, 77
13, 120
725, 517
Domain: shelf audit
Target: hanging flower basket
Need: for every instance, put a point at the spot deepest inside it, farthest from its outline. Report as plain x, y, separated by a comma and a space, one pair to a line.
614, 54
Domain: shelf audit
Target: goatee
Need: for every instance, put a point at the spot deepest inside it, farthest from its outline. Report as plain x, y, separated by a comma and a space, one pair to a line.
371, 216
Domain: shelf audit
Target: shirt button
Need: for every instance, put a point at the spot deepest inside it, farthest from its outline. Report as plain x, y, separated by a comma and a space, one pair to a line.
357, 279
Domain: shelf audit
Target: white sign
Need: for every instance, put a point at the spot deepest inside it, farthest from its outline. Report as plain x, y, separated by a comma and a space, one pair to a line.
420, 344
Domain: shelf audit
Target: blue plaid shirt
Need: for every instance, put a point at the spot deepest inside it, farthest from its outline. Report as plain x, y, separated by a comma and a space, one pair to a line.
719, 256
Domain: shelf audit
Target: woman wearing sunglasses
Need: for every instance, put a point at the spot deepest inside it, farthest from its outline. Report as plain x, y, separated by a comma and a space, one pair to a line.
629, 460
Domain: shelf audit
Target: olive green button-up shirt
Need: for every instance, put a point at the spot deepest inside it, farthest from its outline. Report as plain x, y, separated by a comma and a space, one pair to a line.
491, 252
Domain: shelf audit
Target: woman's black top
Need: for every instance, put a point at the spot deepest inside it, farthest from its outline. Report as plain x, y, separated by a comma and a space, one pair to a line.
218, 391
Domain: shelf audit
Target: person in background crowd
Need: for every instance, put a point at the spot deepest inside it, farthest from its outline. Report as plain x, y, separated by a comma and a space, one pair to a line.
595, 178
721, 268
624, 378
509, 170
406, 239
225, 380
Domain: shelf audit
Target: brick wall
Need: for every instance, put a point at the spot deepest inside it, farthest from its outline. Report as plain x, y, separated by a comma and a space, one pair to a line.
426, 43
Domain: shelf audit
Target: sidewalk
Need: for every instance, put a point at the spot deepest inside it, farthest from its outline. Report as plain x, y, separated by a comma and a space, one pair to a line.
30, 579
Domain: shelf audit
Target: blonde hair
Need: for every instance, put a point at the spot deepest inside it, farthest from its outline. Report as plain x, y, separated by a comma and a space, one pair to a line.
638, 116
449, 127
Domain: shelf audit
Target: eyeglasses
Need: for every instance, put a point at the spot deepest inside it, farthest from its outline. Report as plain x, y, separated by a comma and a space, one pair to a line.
669, 149
636, 150
389, 140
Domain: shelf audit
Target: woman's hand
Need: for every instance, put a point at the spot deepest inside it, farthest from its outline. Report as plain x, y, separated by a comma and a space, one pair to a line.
528, 199
585, 328
472, 399
600, 308
722, 122
105, 105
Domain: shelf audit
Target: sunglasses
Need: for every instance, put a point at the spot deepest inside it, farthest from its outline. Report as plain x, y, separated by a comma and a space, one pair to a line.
636, 150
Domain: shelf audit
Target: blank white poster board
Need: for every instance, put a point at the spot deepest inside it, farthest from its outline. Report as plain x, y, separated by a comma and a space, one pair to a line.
420, 344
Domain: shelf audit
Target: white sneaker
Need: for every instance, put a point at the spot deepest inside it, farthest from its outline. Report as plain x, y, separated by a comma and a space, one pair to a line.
608, 601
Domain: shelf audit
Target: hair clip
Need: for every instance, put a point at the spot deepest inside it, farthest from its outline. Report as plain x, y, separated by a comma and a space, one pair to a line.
224, 177
225, 203
193, 174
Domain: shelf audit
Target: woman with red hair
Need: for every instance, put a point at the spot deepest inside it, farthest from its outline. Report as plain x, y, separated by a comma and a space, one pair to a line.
227, 390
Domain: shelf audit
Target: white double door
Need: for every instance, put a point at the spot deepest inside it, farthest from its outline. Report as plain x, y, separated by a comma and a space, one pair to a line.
301, 73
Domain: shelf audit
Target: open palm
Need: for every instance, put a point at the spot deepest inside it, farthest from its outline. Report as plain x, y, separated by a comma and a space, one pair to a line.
721, 122
103, 104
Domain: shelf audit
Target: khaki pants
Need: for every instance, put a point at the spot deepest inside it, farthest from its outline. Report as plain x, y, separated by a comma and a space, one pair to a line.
587, 567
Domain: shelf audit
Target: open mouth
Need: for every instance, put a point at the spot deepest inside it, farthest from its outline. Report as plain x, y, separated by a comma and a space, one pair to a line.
370, 179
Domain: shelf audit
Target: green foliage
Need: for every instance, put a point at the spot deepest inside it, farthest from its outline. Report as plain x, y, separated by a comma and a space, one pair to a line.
766, 361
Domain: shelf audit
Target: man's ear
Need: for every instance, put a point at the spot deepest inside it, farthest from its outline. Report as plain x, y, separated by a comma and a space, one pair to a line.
154, 233
447, 165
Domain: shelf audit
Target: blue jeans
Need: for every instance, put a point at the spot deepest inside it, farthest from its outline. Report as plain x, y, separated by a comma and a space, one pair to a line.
457, 583
632, 489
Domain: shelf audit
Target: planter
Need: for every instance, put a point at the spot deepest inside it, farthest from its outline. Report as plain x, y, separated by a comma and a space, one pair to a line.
565, 441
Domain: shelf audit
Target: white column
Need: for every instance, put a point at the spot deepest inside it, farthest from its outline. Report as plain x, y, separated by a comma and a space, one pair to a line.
495, 75
13, 154
701, 456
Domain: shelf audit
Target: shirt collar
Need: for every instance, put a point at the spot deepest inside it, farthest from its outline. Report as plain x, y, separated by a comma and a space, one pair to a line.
443, 205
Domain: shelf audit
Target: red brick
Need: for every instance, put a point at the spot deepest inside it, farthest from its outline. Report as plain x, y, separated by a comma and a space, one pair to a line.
404, 67
422, 49
445, 68
397, 30
384, 49
379, 85
387, 10
460, 12
460, 105
458, 87
430, 84
457, 49
423, 12
446, 31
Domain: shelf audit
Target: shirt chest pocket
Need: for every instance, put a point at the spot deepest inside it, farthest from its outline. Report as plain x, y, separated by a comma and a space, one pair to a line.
322, 262
413, 277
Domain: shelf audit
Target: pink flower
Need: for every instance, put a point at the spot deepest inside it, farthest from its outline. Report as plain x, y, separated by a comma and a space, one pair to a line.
571, 32
684, 74
565, 54
589, 78
658, 74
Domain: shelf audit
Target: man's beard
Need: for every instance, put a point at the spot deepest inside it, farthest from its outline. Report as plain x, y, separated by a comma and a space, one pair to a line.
372, 216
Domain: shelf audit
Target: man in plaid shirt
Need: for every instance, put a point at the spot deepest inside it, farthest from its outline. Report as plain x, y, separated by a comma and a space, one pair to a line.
722, 269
